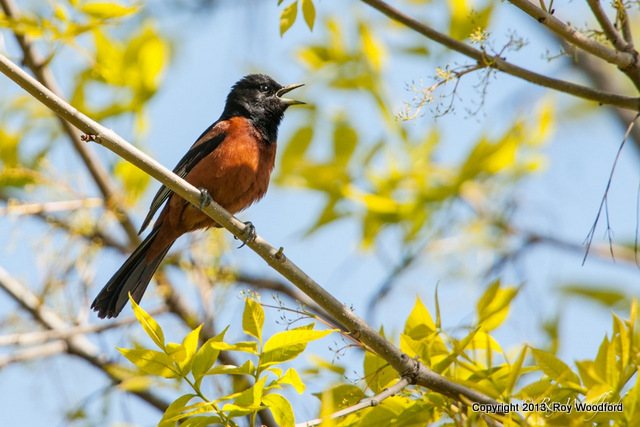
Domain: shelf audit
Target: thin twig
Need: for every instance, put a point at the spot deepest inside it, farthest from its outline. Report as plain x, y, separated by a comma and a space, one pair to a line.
609, 30
366, 403
623, 18
602, 97
603, 202
274, 257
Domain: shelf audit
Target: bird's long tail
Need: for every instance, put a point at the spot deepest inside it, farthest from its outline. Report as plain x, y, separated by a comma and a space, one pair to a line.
133, 277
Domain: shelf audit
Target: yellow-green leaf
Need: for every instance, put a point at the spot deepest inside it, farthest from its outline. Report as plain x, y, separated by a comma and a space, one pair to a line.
288, 345
175, 408
493, 307
206, 357
555, 368
309, 13
419, 324
150, 361
372, 48
176, 352
280, 408
244, 346
190, 345
148, 323
135, 384
248, 368
377, 372
253, 318
251, 397
292, 378
288, 17
107, 10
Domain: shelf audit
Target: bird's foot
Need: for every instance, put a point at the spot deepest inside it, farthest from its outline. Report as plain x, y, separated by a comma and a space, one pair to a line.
205, 198
250, 232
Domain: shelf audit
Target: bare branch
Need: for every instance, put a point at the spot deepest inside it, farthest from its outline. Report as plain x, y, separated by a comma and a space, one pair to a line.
41, 337
366, 403
602, 97
45, 350
78, 345
419, 373
48, 207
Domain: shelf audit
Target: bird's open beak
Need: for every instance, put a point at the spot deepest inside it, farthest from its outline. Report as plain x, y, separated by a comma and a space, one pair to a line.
286, 89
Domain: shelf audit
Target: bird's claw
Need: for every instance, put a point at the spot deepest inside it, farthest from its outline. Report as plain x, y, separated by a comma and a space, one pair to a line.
250, 231
205, 198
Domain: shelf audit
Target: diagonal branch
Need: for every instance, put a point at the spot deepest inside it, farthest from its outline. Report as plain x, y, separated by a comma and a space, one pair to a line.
404, 365
602, 97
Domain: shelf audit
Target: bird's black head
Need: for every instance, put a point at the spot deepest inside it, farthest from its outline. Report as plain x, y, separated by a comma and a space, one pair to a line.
258, 98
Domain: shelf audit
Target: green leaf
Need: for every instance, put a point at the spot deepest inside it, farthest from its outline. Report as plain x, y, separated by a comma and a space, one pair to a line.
288, 17
309, 13
288, 345
555, 368
253, 319
280, 408
150, 361
148, 323
206, 357
292, 378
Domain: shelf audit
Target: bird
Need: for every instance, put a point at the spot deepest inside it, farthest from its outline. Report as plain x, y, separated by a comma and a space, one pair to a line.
231, 163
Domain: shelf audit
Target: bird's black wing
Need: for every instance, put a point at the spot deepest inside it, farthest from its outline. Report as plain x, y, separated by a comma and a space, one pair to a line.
198, 151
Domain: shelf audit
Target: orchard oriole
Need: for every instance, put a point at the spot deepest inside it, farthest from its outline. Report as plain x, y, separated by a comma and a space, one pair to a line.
231, 163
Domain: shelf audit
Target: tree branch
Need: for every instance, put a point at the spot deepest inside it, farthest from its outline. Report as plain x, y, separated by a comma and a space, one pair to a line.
419, 373
602, 97
609, 30
627, 61
78, 345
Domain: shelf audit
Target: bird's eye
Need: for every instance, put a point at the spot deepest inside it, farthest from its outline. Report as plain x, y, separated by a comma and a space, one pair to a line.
264, 88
